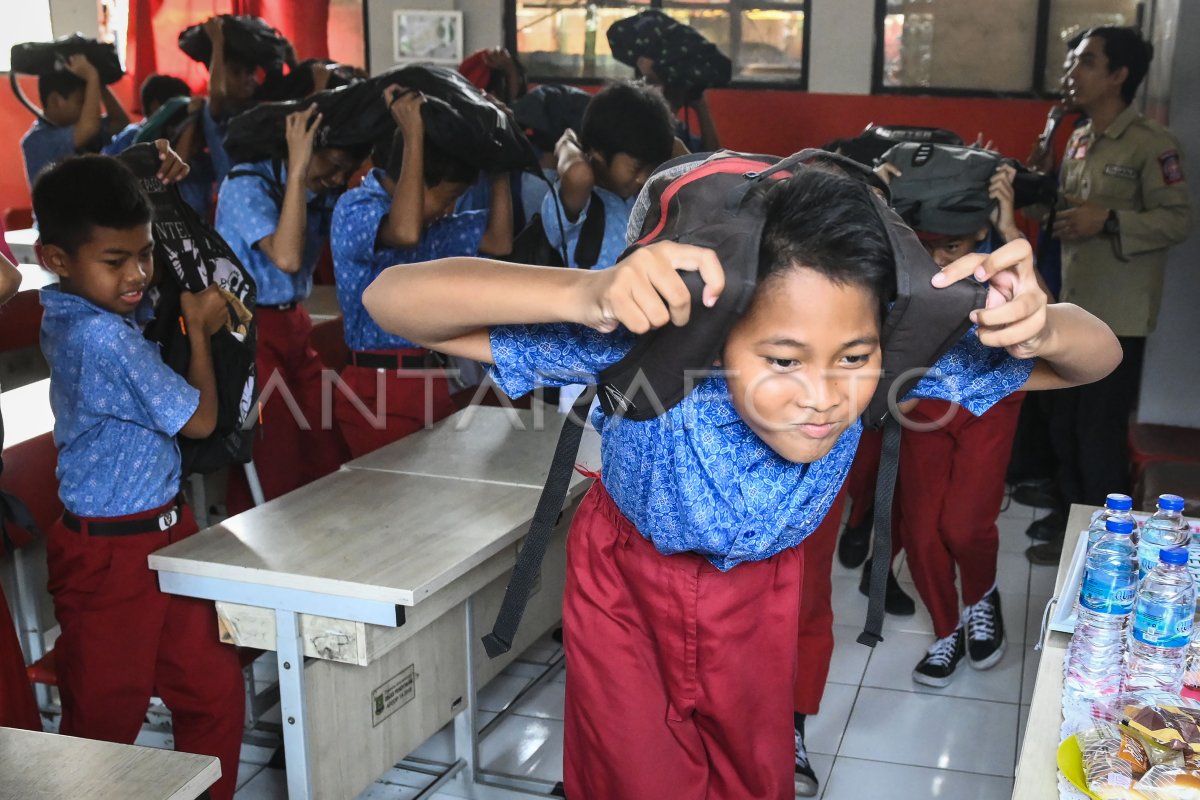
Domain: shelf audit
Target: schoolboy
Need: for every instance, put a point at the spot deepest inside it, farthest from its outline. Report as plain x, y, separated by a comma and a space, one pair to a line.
276, 218
232, 83
681, 601
627, 132
951, 454
402, 213
71, 99
156, 90
117, 410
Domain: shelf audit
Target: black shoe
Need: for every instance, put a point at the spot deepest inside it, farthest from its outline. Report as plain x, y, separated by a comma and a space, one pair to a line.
940, 661
895, 601
856, 542
1049, 528
1045, 555
985, 631
806, 779
1036, 493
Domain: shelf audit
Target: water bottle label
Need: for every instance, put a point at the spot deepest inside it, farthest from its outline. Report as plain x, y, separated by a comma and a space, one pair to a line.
1162, 625
1106, 593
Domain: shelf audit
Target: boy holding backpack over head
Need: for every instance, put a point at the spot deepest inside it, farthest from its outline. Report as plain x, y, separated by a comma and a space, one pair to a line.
681, 601
403, 212
117, 410
276, 219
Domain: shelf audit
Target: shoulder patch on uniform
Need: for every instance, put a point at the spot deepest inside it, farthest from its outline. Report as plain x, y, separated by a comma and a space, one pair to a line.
1172, 170
1121, 171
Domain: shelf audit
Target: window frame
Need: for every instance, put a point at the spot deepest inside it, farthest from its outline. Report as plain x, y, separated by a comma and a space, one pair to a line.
1039, 91
734, 7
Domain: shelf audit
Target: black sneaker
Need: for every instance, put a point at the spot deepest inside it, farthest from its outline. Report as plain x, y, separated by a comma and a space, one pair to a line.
895, 600
985, 631
942, 657
806, 779
856, 542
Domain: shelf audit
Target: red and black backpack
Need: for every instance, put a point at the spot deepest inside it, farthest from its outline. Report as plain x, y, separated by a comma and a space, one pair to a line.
719, 201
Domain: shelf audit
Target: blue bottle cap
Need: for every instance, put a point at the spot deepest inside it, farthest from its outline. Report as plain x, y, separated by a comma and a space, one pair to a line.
1170, 502
1119, 502
1124, 526
1173, 555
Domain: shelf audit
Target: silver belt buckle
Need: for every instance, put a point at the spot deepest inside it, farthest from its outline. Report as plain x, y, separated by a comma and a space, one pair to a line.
167, 519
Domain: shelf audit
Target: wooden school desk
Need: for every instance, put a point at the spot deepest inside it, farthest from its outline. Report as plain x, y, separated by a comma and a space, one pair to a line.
46, 766
386, 580
1037, 769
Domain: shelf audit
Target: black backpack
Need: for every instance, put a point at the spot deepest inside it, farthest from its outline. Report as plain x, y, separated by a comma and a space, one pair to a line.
719, 201
189, 256
46, 58
249, 38
875, 140
532, 246
681, 54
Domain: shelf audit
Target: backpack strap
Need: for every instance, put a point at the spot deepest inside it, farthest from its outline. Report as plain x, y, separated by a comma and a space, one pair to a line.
549, 509
881, 561
591, 235
274, 181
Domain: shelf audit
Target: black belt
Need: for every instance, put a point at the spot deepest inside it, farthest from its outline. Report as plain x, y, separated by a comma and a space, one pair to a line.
162, 521
388, 361
280, 307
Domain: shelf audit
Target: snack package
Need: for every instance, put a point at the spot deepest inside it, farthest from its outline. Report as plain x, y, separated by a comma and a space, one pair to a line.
1113, 765
1170, 726
1169, 783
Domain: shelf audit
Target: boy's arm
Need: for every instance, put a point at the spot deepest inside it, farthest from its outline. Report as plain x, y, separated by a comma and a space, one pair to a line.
89, 119
214, 27
204, 314
285, 247
498, 238
710, 140
405, 219
10, 280
575, 175
448, 305
118, 117
1072, 346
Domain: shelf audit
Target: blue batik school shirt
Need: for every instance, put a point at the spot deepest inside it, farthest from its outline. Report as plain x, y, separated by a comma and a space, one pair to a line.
616, 219
117, 408
357, 260
43, 144
697, 479
248, 209
196, 189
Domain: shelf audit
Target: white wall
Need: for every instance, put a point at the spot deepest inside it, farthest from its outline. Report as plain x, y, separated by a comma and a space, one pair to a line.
841, 46
482, 25
1171, 378
68, 16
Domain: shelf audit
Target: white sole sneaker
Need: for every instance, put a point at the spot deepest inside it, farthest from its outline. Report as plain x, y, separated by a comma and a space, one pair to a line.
991, 660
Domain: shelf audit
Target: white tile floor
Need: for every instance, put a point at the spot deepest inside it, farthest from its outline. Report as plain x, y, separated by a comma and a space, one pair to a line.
878, 733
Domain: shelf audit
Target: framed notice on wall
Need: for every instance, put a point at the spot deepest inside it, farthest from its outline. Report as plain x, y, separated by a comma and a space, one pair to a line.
428, 36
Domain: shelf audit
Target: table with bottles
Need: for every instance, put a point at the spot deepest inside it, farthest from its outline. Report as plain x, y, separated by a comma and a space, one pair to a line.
1165, 538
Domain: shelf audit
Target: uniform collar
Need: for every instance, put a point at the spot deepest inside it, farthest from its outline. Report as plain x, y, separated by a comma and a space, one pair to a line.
58, 303
1121, 123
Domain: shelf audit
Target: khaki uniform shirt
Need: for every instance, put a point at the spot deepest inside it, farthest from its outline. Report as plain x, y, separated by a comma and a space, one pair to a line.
1135, 168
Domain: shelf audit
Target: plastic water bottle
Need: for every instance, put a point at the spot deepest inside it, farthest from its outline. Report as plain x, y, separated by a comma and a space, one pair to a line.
1162, 625
1116, 506
1095, 656
1166, 528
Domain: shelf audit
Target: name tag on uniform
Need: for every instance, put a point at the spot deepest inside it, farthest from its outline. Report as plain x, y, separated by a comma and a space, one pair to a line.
1120, 171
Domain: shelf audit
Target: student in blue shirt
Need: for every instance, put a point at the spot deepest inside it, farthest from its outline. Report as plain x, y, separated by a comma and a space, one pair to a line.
73, 123
232, 82
402, 214
276, 219
117, 410
627, 132
682, 571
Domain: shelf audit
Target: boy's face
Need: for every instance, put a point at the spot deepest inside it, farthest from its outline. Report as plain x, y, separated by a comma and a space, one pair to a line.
65, 109
947, 249
1089, 80
803, 363
241, 81
111, 269
623, 175
330, 169
439, 200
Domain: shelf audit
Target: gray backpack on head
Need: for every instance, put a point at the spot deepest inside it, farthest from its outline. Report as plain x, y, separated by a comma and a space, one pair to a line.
942, 188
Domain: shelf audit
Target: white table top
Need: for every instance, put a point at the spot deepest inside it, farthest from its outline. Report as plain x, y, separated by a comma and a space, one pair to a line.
361, 534
46, 766
485, 443
26, 412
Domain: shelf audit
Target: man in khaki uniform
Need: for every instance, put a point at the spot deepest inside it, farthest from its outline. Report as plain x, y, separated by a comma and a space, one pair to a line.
1122, 203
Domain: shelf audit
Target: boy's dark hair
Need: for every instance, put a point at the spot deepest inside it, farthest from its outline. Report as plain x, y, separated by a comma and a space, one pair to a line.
61, 82
158, 89
829, 223
439, 166
1125, 47
82, 192
631, 118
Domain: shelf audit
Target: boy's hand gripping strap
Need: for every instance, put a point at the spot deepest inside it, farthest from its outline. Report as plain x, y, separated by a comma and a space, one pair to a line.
549, 509
881, 553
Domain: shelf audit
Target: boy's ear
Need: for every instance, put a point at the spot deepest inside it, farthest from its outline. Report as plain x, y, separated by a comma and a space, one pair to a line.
56, 260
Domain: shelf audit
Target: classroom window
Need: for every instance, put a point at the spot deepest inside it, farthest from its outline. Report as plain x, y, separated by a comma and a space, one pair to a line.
568, 40
31, 25
1014, 47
